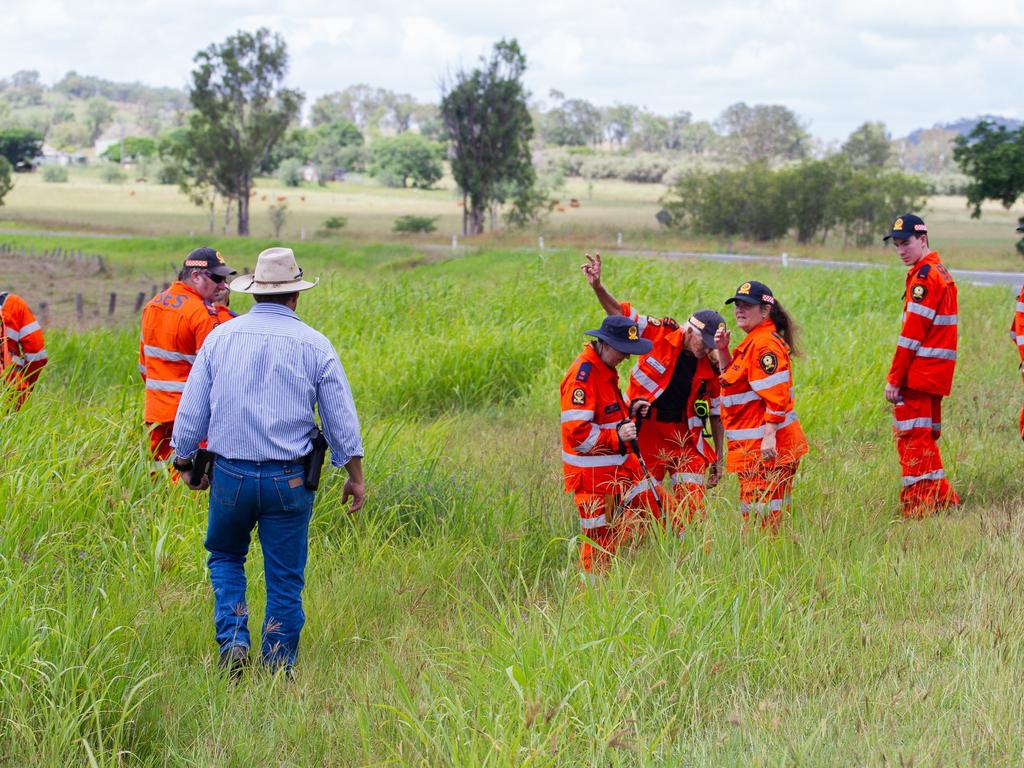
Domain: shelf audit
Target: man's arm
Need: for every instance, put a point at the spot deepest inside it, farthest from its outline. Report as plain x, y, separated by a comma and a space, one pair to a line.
924, 299
354, 485
592, 271
192, 421
341, 428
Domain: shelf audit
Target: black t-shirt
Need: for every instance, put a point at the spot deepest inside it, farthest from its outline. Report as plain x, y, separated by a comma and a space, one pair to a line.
671, 406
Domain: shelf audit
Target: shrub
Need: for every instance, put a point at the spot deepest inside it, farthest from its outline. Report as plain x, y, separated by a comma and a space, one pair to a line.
278, 215
335, 223
112, 174
290, 172
412, 224
55, 173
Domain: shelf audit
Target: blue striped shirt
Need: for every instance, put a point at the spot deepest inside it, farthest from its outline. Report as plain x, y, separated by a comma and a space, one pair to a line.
253, 389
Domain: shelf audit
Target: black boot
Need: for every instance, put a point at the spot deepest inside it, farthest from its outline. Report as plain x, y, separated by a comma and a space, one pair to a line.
233, 660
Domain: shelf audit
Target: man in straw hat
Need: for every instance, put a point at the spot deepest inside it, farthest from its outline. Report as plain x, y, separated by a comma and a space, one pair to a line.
253, 389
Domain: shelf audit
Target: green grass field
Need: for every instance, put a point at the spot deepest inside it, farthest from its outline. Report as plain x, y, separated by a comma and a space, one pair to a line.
606, 208
446, 622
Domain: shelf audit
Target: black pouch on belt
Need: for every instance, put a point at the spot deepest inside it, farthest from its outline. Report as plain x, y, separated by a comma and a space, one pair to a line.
314, 460
202, 464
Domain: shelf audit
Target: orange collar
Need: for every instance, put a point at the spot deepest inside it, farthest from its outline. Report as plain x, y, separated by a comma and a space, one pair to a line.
766, 326
932, 258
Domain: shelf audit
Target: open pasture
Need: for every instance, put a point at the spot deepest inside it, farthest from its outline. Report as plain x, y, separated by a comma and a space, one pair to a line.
606, 208
446, 623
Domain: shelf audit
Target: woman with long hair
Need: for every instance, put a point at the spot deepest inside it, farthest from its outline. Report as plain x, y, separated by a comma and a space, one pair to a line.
764, 438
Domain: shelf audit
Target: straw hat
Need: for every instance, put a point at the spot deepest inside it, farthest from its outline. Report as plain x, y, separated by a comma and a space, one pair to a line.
276, 272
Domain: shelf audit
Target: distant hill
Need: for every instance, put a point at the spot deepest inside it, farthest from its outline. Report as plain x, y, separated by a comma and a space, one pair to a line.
962, 127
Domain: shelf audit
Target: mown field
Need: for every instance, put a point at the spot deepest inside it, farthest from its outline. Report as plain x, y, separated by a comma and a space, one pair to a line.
446, 621
606, 208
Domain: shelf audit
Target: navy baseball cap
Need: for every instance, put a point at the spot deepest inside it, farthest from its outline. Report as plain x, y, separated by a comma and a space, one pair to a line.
210, 260
622, 334
906, 226
707, 321
753, 292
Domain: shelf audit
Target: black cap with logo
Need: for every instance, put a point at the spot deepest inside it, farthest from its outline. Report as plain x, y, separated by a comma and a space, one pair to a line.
210, 260
906, 226
753, 292
622, 334
707, 321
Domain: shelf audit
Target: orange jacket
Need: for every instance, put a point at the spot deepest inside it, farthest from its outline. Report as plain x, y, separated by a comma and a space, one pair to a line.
926, 349
652, 373
1017, 326
757, 389
25, 354
174, 325
224, 314
593, 459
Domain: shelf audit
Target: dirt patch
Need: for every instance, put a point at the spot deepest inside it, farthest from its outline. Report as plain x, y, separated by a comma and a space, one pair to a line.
51, 282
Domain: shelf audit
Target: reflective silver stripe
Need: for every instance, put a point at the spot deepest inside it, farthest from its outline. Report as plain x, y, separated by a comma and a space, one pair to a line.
18, 361
612, 460
903, 341
645, 381
655, 364
580, 415
945, 320
160, 353
769, 381
641, 323
716, 406
744, 507
922, 422
633, 315
1018, 339
1020, 306
34, 357
608, 424
142, 369
587, 523
776, 504
938, 474
641, 487
917, 309
774, 413
744, 434
743, 397
937, 352
588, 445
16, 334
165, 386
692, 478
695, 422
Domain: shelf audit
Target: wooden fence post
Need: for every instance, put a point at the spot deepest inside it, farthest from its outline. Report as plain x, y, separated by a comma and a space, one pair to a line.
79, 309
140, 300
113, 304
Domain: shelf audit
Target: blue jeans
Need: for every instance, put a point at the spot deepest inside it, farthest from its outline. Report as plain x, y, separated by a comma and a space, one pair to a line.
270, 495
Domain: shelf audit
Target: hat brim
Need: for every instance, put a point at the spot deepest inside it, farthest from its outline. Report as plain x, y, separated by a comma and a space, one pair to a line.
248, 284
1020, 228
744, 299
222, 270
638, 347
901, 236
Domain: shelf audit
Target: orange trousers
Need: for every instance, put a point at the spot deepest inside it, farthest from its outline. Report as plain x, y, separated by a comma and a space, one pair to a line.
917, 425
668, 449
765, 491
610, 520
160, 440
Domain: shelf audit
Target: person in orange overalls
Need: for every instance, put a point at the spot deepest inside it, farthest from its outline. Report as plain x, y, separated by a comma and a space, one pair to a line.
675, 387
922, 368
23, 355
174, 324
604, 476
222, 303
1017, 334
765, 440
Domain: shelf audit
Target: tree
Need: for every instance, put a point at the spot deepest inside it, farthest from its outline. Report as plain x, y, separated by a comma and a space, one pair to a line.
134, 148
369, 108
98, 115
489, 127
764, 133
572, 123
993, 158
6, 180
869, 146
21, 147
337, 147
618, 122
241, 111
408, 157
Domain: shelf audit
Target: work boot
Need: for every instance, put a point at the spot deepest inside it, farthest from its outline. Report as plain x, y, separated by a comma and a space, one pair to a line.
233, 661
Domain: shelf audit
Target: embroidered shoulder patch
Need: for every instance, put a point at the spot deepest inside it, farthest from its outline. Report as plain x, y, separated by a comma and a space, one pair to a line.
922, 273
584, 372
918, 292
769, 362
579, 396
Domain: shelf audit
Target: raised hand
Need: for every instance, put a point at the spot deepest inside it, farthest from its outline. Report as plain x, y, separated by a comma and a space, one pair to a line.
722, 338
592, 269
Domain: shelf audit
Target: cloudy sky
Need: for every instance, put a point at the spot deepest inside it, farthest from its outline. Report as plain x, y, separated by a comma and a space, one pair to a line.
837, 63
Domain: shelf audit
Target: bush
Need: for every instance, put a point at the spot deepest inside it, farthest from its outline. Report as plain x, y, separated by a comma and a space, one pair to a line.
412, 224
290, 172
55, 173
335, 223
168, 173
113, 175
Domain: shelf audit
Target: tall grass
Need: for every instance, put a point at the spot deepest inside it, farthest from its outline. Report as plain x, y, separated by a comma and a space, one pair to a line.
446, 622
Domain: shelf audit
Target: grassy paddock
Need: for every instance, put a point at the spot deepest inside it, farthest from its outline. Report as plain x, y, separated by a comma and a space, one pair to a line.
446, 624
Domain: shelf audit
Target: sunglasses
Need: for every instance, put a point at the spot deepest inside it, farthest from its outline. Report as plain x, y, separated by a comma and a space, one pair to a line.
216, 278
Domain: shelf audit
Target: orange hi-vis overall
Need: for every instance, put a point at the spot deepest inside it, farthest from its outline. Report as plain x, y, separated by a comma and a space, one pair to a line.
24, 353
672, 437
923, 370
607, 483
1017, 333
175, 323
757, 389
